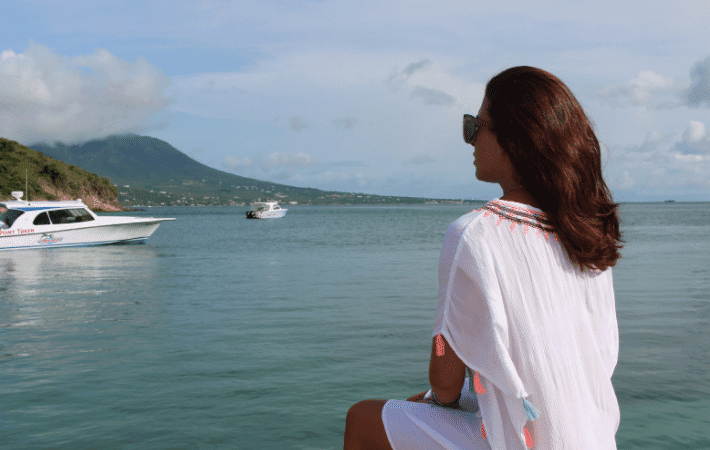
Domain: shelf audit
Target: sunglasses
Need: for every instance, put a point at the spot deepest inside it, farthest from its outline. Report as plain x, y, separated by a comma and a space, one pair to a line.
471, 127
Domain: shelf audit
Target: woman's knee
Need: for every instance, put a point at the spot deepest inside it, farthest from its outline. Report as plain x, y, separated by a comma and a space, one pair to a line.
357, 414
364, 427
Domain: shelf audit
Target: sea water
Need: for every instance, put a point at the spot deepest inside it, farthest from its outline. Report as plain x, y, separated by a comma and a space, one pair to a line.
223, 332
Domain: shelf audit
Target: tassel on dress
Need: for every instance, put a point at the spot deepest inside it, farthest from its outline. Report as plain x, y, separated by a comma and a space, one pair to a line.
478, 385
528, 438
470, 381
439, 345
530, 410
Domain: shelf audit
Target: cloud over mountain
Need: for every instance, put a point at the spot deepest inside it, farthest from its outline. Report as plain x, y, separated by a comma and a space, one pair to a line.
279, 159
45, 97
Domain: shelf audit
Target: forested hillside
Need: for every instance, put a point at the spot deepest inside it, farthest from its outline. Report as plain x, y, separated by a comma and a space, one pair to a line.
49, 179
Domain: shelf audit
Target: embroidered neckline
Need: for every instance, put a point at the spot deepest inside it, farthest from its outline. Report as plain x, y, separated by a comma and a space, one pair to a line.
520, 214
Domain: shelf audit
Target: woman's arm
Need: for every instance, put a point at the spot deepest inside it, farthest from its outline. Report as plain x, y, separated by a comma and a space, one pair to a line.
446, 371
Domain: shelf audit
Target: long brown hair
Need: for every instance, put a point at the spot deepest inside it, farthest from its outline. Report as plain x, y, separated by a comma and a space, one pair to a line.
551, 143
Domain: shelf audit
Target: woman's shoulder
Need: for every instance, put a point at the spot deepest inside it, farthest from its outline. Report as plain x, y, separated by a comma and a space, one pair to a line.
515, 211
467, 221
517, 214
498, 210
471, 228
499, 216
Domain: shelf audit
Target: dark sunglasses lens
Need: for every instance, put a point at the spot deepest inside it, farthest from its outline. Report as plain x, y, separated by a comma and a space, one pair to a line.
470, 128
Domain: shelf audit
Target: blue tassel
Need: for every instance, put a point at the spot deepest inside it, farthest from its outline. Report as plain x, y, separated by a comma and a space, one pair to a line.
471, 387
530, 410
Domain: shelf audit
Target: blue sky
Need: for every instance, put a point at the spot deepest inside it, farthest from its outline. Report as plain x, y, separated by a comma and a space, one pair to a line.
360, 96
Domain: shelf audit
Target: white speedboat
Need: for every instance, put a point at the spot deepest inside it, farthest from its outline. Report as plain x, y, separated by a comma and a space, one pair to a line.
67, 224
265, 210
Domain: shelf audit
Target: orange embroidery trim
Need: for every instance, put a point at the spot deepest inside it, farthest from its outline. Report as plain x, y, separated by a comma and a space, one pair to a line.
519, 215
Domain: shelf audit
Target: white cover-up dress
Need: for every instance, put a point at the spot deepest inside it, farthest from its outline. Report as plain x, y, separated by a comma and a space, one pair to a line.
530, 326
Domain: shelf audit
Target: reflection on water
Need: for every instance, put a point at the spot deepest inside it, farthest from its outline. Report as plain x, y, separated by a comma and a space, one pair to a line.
33, 281
61, 311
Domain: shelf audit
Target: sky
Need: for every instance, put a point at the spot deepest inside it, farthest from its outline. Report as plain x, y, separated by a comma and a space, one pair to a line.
362, 96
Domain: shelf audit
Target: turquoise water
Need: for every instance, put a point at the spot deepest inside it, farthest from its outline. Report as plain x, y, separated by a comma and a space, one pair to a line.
223, 332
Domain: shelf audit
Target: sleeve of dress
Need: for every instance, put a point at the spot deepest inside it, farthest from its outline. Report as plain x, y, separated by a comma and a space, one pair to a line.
471, 314
472, 317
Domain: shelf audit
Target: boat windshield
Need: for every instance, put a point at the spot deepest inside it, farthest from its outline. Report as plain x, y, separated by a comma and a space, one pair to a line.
70, 215
8, 217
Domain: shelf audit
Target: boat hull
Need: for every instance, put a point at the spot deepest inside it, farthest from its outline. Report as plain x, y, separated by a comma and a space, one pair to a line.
266, 214
124, 232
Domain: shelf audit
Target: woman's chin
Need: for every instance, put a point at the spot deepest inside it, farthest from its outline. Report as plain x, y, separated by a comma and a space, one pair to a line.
482, 176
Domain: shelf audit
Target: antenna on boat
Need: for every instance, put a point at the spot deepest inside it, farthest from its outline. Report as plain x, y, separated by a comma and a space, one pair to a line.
26, 190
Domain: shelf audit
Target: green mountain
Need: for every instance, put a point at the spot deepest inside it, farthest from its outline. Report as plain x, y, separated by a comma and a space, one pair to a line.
49, 179
149, 171
137, 160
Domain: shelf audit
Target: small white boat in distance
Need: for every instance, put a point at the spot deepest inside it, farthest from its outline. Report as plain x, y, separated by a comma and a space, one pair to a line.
40, 224
265, 210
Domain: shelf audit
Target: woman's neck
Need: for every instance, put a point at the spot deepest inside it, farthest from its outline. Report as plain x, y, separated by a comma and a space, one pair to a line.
517, 193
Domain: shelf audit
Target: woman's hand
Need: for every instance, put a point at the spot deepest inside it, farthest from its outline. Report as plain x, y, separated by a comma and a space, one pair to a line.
418, 397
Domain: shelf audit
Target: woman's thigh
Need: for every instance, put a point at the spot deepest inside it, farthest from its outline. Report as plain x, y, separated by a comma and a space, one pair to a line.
364, 428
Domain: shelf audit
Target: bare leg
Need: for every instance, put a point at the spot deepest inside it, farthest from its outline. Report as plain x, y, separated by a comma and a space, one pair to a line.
364, 428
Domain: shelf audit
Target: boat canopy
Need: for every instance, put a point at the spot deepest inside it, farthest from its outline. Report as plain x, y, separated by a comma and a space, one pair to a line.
37, 206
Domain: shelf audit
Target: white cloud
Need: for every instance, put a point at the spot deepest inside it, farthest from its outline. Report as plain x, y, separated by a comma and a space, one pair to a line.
421, 71
346, 123
653, 90
662, 164
691, 158
297, 124
650, 148
625, 181
699, 92
433, 97
420, 160
232, 162
695, 132
399, 77
278, 159
696, 140
647, 89
48, 97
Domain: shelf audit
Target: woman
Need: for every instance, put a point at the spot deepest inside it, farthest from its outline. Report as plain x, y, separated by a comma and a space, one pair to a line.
526, 300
